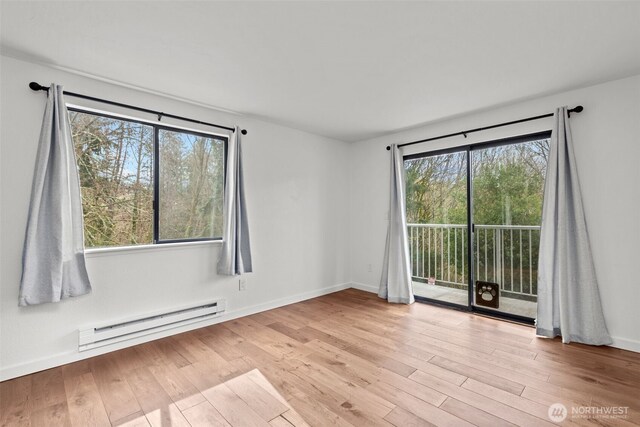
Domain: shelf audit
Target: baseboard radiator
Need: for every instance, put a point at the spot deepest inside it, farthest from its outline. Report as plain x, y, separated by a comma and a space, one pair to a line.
105, 334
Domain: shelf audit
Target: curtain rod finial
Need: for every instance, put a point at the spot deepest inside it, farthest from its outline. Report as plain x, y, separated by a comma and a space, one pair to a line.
578, 109
243, 131
36, 86
388, 148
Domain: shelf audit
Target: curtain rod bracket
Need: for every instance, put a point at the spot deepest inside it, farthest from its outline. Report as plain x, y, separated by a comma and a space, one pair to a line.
160, 116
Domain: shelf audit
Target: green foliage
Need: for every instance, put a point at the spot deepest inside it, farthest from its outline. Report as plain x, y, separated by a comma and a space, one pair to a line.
115, 165
508, 183
436, 189
191, 186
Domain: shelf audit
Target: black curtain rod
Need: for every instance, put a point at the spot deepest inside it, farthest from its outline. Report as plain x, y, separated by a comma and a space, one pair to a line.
577, 109
37, 86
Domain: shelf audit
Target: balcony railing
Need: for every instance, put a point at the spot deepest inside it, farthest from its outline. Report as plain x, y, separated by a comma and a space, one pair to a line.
503, 254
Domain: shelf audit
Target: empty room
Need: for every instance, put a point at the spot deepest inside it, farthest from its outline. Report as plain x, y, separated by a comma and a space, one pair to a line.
313, 213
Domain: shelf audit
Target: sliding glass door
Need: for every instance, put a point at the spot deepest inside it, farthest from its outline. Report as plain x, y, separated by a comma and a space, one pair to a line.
474, 218
437, 214
507, 187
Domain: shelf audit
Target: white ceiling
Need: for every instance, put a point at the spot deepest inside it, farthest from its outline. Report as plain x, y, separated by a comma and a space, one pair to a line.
347, 70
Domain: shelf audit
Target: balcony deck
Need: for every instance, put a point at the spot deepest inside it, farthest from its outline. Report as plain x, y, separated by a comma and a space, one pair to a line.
503, 254
459, 296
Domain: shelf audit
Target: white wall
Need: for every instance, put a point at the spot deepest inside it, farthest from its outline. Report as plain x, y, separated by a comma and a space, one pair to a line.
607, 138
297, 200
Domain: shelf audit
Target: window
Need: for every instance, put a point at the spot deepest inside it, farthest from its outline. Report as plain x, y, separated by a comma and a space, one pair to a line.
128, 167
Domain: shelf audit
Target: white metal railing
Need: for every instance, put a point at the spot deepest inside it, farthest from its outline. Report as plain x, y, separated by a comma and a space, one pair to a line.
504, 254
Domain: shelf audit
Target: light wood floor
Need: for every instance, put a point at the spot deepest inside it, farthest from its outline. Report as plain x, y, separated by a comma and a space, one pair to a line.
342, 359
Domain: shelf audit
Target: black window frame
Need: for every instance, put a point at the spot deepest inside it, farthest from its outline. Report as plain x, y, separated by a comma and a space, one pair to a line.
156, 169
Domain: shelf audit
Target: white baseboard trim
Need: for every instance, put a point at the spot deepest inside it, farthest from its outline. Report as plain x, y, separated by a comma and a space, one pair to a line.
626, 344
29, 367
364, 287
48, 362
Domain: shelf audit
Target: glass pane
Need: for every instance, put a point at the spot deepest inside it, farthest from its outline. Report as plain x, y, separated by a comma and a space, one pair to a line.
115, 166
437, 218
191, 185
508, 184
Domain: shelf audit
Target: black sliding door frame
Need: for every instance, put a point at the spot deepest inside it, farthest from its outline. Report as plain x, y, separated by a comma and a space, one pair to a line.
468, 149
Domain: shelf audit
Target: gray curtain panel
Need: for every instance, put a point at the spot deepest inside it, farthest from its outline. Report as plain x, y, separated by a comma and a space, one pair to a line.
53, 265
395, 285
235, 255
568, 297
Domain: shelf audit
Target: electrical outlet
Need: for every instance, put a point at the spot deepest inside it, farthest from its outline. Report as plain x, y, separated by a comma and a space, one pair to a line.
242, 284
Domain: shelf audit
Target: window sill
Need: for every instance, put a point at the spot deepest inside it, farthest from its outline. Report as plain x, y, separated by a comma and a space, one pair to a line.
118, 250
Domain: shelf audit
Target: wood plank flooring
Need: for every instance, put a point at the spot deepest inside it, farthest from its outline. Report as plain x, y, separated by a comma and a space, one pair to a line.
342, 359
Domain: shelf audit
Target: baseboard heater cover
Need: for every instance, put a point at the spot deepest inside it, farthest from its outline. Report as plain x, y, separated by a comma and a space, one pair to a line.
105, 334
